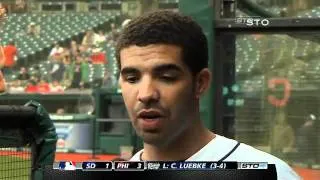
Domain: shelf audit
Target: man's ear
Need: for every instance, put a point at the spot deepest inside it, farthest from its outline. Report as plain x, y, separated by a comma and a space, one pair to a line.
203, 80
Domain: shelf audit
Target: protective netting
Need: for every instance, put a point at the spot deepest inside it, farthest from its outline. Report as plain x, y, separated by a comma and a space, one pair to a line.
15, 163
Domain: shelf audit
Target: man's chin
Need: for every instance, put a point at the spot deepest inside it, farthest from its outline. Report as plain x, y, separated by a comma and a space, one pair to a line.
153, 138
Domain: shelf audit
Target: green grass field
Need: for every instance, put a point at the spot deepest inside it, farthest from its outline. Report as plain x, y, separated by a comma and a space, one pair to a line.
14, 167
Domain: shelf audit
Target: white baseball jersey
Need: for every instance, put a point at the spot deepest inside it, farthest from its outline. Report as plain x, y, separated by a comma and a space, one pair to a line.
220, 146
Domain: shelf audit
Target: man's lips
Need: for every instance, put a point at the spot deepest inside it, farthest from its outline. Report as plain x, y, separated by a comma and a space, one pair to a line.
150, 119
150, 114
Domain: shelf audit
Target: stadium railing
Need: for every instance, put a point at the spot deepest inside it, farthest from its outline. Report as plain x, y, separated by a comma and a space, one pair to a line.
27, 141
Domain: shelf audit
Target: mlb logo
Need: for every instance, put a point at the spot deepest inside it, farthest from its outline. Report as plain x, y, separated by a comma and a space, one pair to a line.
68, 165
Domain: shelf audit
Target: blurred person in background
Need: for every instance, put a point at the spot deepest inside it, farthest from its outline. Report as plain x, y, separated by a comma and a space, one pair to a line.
36, 74
66, 59
78, 73
66, 55
74, 49
34, 79
56, 51
2, 59
55, 86
43, 86
32, 85
90, 39
3, 16
57, 70
16, 86
23, 74
33, 29
114, 34
75, 73
60, 111
307, 140
101, 38
2, 83
85, 68
10, 57
107, 79
97, 55
84, 51
104, 82
3, 12
20, 6
282, 136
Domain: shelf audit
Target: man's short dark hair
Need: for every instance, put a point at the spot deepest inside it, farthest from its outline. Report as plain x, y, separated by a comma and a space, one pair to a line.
167, 27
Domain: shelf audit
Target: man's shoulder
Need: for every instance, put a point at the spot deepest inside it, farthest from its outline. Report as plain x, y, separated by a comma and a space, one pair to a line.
246, 153
136, 157
222, 146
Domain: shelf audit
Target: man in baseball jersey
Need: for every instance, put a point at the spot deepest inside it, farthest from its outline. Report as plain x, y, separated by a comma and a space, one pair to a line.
163, 61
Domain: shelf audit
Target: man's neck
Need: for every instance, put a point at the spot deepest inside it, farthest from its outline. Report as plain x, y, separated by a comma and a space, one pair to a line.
187, 144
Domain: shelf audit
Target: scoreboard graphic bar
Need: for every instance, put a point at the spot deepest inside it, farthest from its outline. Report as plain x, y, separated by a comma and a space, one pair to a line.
156, 165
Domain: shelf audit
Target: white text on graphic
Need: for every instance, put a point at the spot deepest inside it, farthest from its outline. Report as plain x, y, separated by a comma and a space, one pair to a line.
252, 21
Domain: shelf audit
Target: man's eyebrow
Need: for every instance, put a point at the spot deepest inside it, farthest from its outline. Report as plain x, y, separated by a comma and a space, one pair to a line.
128, 70
167, 67
157, 69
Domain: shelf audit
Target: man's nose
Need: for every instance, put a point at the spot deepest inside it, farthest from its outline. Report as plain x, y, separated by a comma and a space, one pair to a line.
148, 92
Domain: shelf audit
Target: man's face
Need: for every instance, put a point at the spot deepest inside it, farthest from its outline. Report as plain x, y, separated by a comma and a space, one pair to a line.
158, 92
